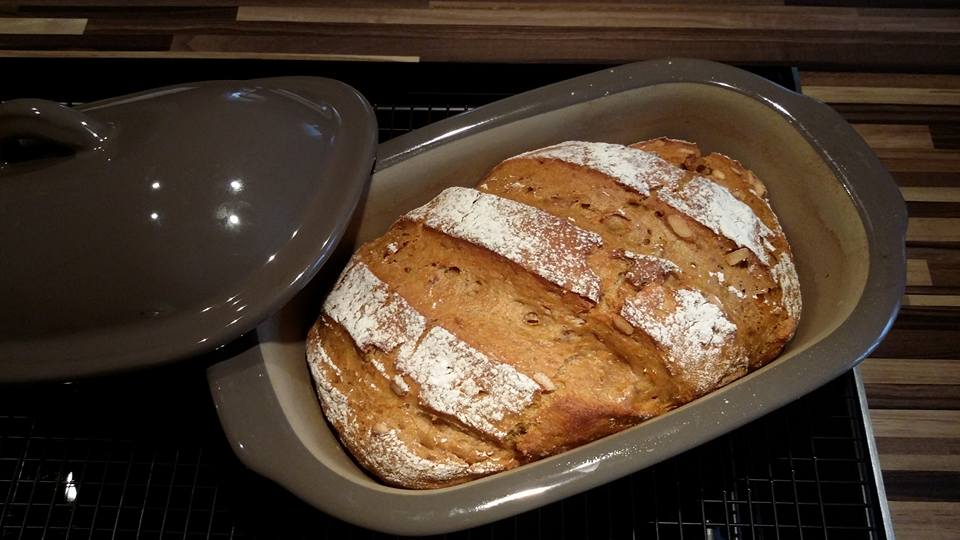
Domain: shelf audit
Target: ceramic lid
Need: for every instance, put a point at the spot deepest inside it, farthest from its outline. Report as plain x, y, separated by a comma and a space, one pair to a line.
147, 228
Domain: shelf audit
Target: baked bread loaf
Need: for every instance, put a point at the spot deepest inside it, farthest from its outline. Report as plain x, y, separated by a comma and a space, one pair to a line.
578, 290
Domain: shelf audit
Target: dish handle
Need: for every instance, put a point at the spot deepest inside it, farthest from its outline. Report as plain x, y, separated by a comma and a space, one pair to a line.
52, 122
248, 411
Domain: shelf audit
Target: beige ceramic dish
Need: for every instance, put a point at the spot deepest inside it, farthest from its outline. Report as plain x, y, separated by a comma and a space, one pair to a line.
841, 211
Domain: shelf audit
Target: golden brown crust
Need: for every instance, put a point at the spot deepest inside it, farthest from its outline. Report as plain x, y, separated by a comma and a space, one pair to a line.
650, 305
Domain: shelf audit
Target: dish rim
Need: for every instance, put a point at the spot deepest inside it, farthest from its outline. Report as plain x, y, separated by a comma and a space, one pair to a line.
872, 191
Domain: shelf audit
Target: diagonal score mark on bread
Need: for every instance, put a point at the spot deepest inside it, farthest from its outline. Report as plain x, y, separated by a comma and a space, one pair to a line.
550, 247
601, 300
453, 378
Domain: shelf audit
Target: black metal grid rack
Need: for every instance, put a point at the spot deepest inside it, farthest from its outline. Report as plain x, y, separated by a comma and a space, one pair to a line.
142, 456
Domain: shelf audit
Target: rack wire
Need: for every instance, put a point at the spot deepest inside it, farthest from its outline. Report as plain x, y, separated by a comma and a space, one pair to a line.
96, 462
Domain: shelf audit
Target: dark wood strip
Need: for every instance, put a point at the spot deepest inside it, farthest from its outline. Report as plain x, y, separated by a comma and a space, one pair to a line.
931, 290
928, 4
945, 136
920, 446
187, 14
922, 485
913, 396
933, 209
636, 16
125, 42
897, 114
929, 318
920, 160
884, 80
526, 44
927, 179
944, 264
919, 343
591, 4
913, 10
898, 96
222, 3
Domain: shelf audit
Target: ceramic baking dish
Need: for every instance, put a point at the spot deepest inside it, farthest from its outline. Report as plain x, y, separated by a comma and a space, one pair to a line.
840, 209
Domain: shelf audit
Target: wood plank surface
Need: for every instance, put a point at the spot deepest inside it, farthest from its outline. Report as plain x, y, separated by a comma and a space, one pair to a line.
889, 67
913, 382
855, 35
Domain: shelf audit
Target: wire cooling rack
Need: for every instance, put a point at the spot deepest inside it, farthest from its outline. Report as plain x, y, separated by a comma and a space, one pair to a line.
143, 456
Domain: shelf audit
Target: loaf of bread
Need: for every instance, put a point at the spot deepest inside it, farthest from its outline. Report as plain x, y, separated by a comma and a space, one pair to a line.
580, 289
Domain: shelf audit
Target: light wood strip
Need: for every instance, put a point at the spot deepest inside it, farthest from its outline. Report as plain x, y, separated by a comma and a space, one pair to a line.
915, 423
42, 26
930, 194
910, 371
933, 230
209, 55
656, 16
914, 462
925, 520
918, 273
903, 136
887, 96
931, 300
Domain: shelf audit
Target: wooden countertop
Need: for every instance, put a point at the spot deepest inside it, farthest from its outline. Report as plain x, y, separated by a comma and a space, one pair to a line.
913, 379
911, 120
855, 34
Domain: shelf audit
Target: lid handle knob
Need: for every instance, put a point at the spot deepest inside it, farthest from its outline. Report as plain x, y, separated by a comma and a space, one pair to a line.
52, 122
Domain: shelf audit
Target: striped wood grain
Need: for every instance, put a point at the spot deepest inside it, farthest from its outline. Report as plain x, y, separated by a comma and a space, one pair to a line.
913, 385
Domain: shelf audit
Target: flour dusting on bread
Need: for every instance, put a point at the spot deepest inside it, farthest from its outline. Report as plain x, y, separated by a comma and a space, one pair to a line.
396, 460
546, 245
693, 333
333, 400
389, 453
450, 348
714, 207
460, 381
371, 314
639, 170
454, 378
786, 275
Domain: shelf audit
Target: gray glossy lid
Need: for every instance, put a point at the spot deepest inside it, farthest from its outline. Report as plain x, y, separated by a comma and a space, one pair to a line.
171, 221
